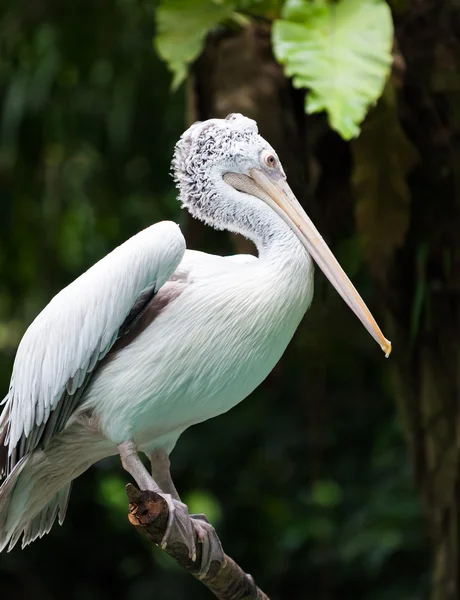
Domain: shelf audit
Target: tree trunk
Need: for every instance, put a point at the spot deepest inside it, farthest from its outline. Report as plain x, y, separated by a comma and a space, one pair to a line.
416, 270
422, 289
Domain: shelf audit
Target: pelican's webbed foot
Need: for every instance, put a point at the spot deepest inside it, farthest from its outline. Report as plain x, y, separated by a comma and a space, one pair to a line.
179, 529
211, 546
182, 528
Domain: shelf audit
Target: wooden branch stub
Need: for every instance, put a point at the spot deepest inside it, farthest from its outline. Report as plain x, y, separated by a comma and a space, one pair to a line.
146, 508
148, 512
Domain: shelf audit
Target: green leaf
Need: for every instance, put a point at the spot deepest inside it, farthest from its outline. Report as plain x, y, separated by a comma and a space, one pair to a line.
383, 157
268, 9
341, 52
326, 493
112, 495
202, 501
182, 26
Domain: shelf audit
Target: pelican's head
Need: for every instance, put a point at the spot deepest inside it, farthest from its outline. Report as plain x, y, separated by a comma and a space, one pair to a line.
212, 159
226, 172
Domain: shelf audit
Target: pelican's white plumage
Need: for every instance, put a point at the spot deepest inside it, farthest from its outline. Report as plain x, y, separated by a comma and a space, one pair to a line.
154, 338
213, 345
81, 323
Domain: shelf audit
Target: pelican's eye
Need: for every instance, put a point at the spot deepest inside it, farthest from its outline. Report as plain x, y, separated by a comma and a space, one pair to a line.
270, 160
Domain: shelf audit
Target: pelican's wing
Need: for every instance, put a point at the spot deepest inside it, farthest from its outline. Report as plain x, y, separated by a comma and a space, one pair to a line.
75, 331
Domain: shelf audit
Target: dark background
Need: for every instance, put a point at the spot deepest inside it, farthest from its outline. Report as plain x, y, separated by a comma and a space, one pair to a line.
310, 482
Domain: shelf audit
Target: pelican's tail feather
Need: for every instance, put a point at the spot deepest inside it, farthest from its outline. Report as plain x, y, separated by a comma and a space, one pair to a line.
37, 490
6, 495
41, 524
31, 498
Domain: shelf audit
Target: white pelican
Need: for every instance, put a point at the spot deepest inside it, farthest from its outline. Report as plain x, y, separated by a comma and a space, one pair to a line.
155, 338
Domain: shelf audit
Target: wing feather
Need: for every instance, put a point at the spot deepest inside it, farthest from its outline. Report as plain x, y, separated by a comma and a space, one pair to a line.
62, 347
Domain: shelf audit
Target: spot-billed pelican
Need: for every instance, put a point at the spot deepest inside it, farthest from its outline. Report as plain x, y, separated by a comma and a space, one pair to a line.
155, 338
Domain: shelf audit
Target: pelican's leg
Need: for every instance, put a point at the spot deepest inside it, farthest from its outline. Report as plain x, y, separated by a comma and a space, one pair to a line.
206, 534
179, 527
159, 461
135, 467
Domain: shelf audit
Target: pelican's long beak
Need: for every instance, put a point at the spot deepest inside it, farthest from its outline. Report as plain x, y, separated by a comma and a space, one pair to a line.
283, 201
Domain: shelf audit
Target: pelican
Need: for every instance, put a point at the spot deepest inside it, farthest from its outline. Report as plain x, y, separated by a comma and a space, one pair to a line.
155, 338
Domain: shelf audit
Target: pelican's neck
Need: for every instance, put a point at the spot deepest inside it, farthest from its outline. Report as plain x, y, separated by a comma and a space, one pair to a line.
208, 197
273, 238
275, 241
283, 260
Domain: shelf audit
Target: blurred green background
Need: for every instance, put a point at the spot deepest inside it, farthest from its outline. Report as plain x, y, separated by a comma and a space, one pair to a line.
309, 482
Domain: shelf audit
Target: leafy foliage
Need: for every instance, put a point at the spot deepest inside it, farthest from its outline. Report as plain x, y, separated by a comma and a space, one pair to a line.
182, 28
340, 51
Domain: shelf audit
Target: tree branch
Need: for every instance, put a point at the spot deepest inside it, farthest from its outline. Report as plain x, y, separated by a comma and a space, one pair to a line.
148, 512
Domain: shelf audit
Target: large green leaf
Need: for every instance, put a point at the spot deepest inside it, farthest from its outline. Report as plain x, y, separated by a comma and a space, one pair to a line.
182, 26
341, 52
